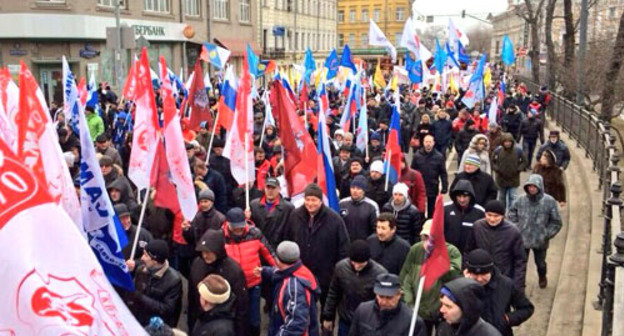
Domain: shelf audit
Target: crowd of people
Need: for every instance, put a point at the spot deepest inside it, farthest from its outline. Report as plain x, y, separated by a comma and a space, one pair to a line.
354, 271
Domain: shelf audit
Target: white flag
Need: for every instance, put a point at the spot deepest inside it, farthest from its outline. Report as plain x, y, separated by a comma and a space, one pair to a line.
411, 41
377, 38
455, 34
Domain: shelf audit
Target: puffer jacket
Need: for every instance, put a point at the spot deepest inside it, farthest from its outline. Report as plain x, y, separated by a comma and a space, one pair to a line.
410, 275
469, 294
349, 288
369, 320
482, 183
484, 154
458, 221
271, 223
408, 219
390, 254
360, 217
432, 167
537, 216
507, 163
203, 221
377, 190
247, 249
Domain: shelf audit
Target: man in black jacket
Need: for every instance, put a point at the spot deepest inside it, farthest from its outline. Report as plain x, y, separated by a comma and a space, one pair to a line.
482, 183
158, 286
387, 315
351, 285
377, 190
216, 300
387, 248
432, 165
531, 130
501, 295
358, 211
502, 240
144, 236
221, 164
460, 214
270, 212
321, 235
214, 260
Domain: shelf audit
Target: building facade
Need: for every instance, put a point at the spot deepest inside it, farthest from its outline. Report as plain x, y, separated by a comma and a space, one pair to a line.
289, 27
353, 24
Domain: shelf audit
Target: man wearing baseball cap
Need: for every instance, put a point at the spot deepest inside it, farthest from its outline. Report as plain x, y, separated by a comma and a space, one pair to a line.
505, 306
386, 314
271, 211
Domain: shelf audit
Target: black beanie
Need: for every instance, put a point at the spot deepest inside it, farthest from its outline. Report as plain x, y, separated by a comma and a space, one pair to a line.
479, 261
158, 250
359, 251
495, 206
313, 189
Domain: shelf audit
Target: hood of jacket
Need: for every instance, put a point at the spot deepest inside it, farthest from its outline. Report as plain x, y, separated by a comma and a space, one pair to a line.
215, 242
469, 294
475, 139
506, 136
463, 186
535, 180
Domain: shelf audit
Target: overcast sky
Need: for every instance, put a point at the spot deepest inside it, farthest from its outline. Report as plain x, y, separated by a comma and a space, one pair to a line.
478, 8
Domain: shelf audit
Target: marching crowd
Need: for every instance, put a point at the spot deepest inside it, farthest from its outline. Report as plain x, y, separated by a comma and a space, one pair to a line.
354, 271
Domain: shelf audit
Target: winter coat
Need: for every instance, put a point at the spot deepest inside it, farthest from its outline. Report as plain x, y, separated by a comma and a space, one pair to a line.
553, 181
537, 216
121, 183
531, 129
561, 151
112, 153
157, 294
417, 190
501, 295
226, 267
511, 122
321, 244
507, 163
360, 217
216, 183
464, 137
442, 130
144, 238
468, 294
377, 190
495, 139
432, 166
247, 249
390, 254
484, 155
95, 124
271, 223
203, 221
408, 219
218, 321
349, 288
458, 221
504, 243
345, 183
222, 165
294, 301
369, 320
410, 275
482, 183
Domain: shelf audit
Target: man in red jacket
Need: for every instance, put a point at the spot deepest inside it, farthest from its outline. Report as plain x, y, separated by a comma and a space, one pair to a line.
414, 180
247, 245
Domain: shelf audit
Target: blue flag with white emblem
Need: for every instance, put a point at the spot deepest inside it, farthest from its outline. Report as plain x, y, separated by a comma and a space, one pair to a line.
332, 63
413, 68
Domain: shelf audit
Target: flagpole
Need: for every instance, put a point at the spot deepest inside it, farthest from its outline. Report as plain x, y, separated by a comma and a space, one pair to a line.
138, 229
421, 284
246, 170
214, 129
263, 129
305, 115
388, 170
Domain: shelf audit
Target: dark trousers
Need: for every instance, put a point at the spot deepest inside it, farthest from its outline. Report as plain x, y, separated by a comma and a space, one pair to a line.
430, 205
528, 146
539, 255
429, 324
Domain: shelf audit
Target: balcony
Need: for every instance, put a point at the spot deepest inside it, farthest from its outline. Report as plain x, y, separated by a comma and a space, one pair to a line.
274, 53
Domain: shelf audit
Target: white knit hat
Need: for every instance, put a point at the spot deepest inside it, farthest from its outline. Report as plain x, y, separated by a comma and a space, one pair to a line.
377, 166
401, 188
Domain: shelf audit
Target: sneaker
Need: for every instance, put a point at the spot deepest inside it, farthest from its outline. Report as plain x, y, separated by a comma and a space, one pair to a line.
543, 282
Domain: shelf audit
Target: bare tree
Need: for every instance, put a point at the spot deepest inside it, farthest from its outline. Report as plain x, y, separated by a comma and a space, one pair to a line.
532, 16
551, 65
480, 39
612, 74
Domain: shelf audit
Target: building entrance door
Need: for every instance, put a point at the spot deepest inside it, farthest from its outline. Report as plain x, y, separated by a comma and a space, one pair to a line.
51, 83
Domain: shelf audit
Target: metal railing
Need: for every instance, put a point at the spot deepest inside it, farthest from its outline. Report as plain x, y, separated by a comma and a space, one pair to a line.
596, 137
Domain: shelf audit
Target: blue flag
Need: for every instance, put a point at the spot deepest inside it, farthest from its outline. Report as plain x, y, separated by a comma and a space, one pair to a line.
414, 69
439, 57
253, 61
507, 55
462, 56
331, 63
104, 231
346, 60
476, 88
309, 64
451, 59
71, 97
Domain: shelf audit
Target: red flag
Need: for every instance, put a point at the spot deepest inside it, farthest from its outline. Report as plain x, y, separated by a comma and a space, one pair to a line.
299, 150
437, 261
198, 99
303, 97
161, 181
129, 89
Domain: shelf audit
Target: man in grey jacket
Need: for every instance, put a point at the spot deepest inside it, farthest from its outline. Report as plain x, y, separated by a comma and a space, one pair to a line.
537, 216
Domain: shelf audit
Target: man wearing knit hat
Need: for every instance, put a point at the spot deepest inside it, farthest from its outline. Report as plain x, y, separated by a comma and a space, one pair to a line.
358, 211
483, 184
217, 316
410, 275
158, 286
502, 240
377, 190
350, 286
295, 292
506, 306
408, 217
557, 146
321, 234
356, 167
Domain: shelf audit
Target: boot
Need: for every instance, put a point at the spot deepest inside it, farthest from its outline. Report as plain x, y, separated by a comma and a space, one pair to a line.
543, 282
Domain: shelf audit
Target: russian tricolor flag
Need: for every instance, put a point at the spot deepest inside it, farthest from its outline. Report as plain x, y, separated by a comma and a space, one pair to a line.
393, 149
325, 169
227, 100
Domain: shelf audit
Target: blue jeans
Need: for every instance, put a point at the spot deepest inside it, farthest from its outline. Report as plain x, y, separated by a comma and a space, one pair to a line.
343, 327
254, 306
528, 146
507, 196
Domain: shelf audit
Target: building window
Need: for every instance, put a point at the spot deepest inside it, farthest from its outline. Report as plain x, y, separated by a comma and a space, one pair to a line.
352, 15
244, 14
340, 40
289, 5
400, 14
103, 3
340, 16
160, 6
611, 13
364, 40
365, 15
221, 9
376, 14
351, 40
192, 7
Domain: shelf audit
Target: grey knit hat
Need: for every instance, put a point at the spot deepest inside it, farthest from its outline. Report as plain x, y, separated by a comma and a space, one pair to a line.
288, 252
206, 194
